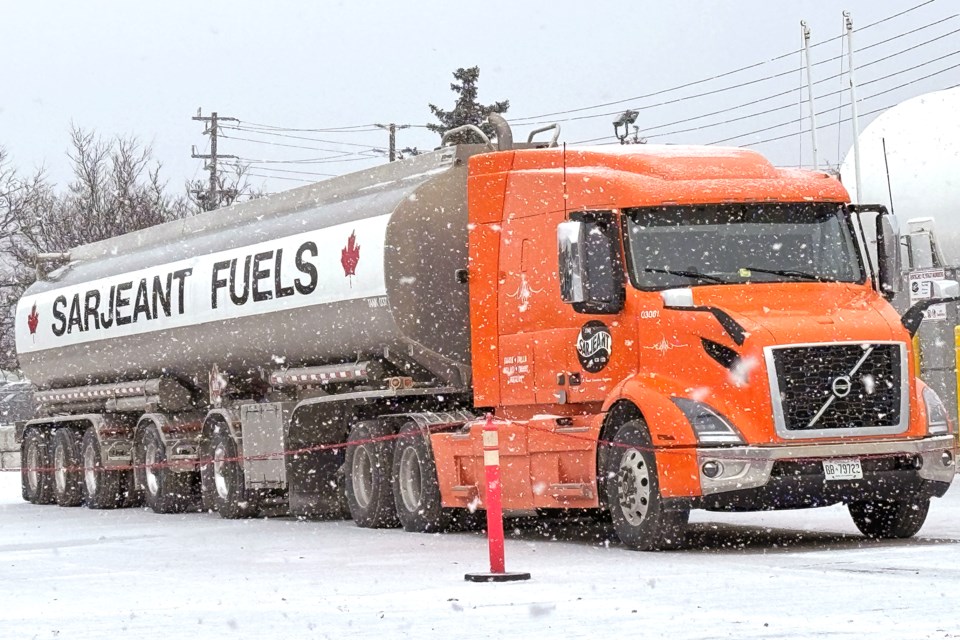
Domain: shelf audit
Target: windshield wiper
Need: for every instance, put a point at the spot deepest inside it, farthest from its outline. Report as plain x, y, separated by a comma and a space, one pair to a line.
687, 274
793, 273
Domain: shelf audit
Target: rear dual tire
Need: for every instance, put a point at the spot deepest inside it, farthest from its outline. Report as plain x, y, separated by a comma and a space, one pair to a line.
104, 488
416, 490
164, 490
36, 479
369, 482
222, 479
67, 468
391, 479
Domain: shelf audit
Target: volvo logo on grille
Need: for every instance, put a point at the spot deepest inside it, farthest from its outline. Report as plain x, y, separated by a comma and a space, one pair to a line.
841, 386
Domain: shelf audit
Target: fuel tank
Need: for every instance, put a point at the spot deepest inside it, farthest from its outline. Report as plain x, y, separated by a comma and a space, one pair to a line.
351, 268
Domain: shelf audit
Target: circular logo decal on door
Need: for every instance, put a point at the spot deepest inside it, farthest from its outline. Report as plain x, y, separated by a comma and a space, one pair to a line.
594, 346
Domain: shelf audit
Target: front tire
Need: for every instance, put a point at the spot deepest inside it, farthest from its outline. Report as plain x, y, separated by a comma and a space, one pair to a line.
640, 518
67, 472
882, 519
368, 466
416, 490
35, 478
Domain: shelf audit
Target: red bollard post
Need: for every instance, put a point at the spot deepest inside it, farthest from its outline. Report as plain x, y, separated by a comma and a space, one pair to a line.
494, 505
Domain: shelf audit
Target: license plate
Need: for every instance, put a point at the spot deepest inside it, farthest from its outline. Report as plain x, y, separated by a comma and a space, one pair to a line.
842, 469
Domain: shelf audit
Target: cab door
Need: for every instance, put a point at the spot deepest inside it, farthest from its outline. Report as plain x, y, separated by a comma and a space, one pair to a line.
601, 347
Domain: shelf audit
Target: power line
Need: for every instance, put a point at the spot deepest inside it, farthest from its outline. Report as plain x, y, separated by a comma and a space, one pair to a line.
647, 130
274, 130
260, 175
783, 93
307, 173
830, 124
348, 129
321, 140
321, 160
293, 146
786, 106
704, 80
738, 85
863, 84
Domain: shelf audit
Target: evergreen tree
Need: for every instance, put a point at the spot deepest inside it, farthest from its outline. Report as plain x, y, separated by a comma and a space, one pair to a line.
466, 110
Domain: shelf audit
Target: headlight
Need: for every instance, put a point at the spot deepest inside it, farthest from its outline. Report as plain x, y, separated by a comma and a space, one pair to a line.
937, 421
708, 424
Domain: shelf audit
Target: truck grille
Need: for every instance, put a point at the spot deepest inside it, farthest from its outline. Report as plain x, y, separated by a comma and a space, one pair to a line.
818, 389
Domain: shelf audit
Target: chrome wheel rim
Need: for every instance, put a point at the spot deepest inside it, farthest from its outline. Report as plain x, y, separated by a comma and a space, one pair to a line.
411, 480
89, 469
633, 484
219, 480
60, 469
151, 455
362, 474
33, 464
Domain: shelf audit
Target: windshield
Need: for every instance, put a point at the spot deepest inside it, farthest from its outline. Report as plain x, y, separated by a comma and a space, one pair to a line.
676, 246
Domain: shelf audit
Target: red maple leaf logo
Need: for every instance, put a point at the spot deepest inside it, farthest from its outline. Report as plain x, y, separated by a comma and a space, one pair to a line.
33, 320
350, 256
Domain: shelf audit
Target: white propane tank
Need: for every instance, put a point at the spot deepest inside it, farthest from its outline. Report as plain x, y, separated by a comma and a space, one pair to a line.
922, 138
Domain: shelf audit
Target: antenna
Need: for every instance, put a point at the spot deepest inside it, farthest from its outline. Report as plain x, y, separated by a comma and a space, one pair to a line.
564, 180
886, 165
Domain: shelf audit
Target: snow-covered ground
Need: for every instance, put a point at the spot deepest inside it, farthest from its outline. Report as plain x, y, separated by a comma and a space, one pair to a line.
77, 573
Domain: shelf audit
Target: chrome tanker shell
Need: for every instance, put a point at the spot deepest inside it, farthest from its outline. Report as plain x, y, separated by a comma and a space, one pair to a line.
333, 272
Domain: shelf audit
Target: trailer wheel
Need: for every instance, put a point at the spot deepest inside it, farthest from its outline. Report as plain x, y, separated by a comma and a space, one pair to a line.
639, 516
164, 490
102, 489
67, 474
416, 490
230, 497
35, 478
889, 518
369, 485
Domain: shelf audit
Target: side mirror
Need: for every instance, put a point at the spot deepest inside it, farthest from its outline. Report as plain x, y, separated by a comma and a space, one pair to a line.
569, 246
888, 256
590, 268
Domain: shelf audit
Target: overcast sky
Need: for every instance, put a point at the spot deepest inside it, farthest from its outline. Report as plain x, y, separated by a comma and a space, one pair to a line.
143, 69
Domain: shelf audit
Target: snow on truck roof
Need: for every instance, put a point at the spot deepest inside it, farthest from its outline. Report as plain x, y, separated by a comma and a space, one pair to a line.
666, 162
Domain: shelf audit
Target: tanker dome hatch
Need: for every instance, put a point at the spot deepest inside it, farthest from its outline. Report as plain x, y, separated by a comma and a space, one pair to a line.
922, 137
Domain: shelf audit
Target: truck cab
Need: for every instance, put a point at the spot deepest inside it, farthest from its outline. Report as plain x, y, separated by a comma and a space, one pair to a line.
667, 328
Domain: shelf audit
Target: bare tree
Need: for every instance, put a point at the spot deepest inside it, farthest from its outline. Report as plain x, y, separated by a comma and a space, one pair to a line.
234, 187
115, 189
21, 198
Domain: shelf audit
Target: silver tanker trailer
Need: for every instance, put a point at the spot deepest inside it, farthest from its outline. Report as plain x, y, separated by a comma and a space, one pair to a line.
249, 331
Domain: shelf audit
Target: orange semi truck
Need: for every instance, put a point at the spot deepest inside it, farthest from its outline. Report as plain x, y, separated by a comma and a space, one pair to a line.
655, 329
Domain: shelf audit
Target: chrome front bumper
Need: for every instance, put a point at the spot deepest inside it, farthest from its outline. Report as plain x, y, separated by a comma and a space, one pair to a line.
750, 467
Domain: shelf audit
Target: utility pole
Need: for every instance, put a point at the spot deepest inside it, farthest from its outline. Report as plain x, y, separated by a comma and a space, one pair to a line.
392, 128
805, 32
211, 199
848, 23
